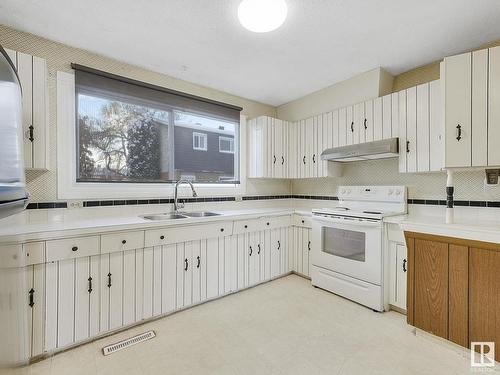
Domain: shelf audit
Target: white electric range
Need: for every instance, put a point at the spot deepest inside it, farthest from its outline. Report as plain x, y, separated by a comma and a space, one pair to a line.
348, 243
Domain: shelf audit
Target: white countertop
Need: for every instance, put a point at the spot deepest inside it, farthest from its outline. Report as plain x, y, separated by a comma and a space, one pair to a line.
478, 230
16, 232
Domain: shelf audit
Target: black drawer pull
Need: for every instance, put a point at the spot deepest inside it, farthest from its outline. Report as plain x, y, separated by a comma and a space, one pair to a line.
124, 242
109, 280
186, 264
32, 299
74, 248
90, 285
199, 261
459, 132
162, 237
404, 265
31, 133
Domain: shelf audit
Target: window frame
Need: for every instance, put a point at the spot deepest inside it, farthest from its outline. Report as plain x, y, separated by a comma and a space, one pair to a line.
68, 188
203, 136
231, 140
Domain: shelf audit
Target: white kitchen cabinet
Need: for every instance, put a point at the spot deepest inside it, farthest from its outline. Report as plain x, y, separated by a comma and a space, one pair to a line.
184, 274
359, 123
300, 245
32, 73
479, 108
493, 107
378, 117
86, 297
368, 125
351, 126
343, 127
422, 128
397, 277
35, 306
212, 267
169, 278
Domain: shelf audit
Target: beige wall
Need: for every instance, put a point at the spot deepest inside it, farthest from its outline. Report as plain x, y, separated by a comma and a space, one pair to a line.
42, 185
364, 86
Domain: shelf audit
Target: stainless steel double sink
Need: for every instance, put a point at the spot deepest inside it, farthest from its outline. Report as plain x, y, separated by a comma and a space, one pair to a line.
183, 215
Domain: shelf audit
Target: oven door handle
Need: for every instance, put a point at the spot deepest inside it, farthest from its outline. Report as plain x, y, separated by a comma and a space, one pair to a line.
348, 221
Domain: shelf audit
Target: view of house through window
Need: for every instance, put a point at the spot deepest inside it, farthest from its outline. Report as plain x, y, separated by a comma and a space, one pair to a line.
136, 141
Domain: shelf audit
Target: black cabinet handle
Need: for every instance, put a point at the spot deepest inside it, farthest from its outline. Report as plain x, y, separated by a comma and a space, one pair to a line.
258, 246
124, 242
304, 160
90, 285
186, 264
282, 160
314, 158
222, 229
309, 246
366, 126
407, 146
32, 299
199, 261
109, 280
352, 127
279, 245
74, 248
274, 159
459, 132
31, 133
162, 237
251, 250
404, 265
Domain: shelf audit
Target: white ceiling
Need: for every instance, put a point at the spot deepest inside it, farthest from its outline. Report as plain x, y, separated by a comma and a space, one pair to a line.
322, 41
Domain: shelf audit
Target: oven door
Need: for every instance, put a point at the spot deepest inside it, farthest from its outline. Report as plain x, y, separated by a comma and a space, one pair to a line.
348, 246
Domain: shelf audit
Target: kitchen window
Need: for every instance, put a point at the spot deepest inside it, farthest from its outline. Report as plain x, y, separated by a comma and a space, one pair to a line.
199, 141
226, 145
132, 132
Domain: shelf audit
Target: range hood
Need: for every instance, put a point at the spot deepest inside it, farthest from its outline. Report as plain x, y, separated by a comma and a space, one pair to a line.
387, 148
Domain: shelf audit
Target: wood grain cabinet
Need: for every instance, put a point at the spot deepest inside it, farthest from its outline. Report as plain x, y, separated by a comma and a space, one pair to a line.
452, 288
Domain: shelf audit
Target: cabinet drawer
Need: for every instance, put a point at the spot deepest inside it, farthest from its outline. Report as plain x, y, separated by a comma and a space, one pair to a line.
11, 256
72, 248
278, 221
122, 241
302, 221
34, 253
250, 225
158, 237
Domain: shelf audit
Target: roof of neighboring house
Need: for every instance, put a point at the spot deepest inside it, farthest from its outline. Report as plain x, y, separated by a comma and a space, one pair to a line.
200, 127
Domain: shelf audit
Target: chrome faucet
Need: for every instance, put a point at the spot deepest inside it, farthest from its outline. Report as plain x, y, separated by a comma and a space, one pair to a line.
181, 205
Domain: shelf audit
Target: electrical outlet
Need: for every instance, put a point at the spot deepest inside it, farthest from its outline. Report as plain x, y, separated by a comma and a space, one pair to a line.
75, 204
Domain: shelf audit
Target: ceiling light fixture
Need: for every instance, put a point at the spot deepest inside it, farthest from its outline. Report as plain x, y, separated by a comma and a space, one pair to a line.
262, 16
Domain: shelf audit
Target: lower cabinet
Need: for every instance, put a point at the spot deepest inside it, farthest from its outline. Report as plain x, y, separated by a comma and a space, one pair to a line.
453, 288
398, 267
35, 305
301, 250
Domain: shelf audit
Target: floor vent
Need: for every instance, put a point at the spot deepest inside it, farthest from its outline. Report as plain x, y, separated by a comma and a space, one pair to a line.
110, 349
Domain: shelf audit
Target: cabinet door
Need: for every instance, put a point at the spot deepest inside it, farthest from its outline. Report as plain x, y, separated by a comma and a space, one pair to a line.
35, 304
242, 271
266, 255
335, 128
309, 146
169, 278
25, 72
82, 298
189, 264
184, 274
343, 126
493, 107
401, 270
387, 117
436, 126
115, 290
404, 146
277, 148
411, 129
275, 248
51, 273
327, 141
230, 264
297, 252
196, 256
256, 148
431, 287
157, 272
457, 106
253, 258
293, 162
423, 128
285, 154
479, 108
359, 135
378, 111
351, 126
65, 303
270, 146
129, 284
283, 250
395, 118
316, 135
306, 248
212, 260
368, 121
147, 283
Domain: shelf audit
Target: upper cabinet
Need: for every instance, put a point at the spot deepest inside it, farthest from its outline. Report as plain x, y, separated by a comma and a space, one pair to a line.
471, 84
32, 73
